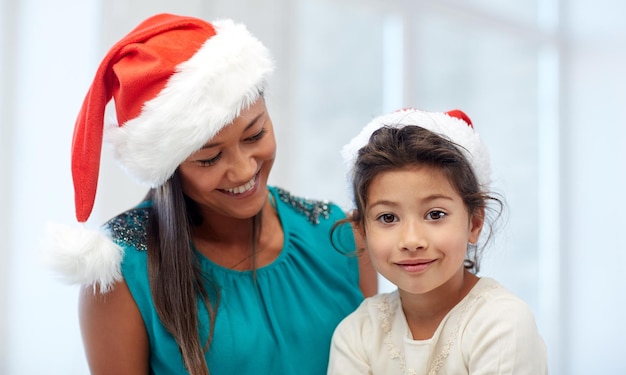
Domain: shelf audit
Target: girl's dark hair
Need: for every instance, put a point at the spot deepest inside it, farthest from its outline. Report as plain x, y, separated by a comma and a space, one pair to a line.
176, 279
392, 148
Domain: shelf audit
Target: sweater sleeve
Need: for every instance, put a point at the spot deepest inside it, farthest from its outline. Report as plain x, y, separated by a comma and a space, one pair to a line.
347, 351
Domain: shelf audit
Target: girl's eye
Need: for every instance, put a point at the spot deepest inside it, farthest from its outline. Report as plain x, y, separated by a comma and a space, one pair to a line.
209, 162
387, 218
257, 136
435, 215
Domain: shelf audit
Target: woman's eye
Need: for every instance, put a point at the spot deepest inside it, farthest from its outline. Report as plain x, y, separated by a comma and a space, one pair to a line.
257, 136
210, 162
387, 218
435, 215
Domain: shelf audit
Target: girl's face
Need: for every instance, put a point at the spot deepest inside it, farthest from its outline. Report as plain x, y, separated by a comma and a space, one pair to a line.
417, 228
228, 176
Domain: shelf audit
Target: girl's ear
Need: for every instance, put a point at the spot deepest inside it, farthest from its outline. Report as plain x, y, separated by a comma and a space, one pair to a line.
359, 238
358, 230
476, 225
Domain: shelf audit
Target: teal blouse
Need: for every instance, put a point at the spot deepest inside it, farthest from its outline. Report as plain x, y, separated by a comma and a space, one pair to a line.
279, 323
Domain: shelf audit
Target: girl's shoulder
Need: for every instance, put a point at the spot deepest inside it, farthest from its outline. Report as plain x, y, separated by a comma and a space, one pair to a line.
491, 305
500, 328
374, 313
490, 292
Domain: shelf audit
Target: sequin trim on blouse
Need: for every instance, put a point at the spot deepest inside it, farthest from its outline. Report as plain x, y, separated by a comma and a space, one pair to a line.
130, 228
312, 209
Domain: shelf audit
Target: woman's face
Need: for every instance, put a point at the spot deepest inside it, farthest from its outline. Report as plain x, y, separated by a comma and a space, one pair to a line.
417, 228
228, 176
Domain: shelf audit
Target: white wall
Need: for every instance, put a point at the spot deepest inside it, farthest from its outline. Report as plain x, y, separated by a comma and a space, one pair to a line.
594, 252
7, 50
39, 330
553, 122
52, 47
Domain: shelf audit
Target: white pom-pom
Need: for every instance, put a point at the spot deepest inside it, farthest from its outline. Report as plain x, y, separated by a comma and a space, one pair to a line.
82, 256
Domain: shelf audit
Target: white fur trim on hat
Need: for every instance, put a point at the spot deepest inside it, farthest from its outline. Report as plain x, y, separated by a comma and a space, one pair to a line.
455, 129
207, 92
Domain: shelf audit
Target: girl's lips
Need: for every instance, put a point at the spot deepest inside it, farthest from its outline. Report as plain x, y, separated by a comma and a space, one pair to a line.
415, 265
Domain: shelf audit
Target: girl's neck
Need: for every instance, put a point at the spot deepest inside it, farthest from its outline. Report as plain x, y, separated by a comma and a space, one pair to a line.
424, 312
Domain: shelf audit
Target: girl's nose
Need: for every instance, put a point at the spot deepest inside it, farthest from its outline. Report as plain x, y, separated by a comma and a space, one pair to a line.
412, 237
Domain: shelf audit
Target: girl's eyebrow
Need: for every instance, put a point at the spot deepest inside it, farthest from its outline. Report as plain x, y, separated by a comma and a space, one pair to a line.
384, 202
438, 196
251, 124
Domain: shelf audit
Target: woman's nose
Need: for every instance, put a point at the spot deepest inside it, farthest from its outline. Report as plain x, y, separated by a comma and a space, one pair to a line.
243, 166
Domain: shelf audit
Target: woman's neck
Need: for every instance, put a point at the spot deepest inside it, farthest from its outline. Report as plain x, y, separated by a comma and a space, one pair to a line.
231, 243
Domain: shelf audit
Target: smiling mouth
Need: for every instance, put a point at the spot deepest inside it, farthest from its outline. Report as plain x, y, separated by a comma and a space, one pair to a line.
416, 266
243, 188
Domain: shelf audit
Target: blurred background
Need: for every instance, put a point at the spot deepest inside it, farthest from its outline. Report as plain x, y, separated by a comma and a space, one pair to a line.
542, 80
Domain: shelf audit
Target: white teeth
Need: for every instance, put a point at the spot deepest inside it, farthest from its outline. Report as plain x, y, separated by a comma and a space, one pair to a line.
243, 188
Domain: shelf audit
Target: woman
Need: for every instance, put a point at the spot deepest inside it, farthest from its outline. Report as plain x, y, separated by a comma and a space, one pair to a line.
215, 271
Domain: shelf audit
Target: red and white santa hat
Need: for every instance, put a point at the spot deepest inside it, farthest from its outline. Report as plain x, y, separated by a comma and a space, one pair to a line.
176, 82
454, 125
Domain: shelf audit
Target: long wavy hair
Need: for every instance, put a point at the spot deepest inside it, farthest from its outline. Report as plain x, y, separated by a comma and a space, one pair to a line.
176, 279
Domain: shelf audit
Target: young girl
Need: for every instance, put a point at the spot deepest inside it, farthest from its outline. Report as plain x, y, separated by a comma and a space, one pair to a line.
420, 183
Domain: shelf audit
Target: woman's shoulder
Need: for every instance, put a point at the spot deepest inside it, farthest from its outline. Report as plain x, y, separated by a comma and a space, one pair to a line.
315, 211
130, 228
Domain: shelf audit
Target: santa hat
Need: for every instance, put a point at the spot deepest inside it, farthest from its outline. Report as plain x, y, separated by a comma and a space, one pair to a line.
454, 125
176, 82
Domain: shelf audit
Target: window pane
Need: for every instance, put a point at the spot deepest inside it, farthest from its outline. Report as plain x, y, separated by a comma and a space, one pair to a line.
338, 89
517, 11
493, 77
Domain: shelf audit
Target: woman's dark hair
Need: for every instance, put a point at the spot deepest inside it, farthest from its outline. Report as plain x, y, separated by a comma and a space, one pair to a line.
392, 148
176, 279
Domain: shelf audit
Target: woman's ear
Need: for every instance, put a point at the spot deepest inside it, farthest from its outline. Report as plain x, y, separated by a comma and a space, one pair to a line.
476, 224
